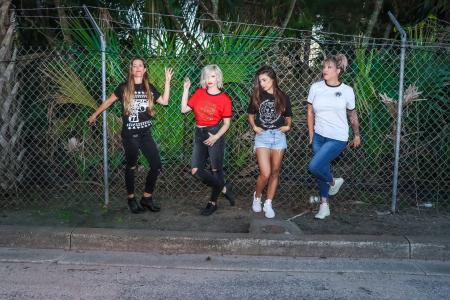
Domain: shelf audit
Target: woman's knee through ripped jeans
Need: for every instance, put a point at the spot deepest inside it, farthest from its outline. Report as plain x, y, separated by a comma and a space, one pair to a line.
200, 154
132, 144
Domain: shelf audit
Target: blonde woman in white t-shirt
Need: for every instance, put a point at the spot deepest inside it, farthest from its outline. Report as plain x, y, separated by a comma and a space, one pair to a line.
331, 105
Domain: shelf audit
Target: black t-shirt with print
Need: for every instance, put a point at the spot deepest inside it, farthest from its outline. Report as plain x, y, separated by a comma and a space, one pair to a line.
138, 120
266, 116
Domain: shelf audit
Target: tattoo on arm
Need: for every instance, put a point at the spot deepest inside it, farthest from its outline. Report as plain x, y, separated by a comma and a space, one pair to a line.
353, 118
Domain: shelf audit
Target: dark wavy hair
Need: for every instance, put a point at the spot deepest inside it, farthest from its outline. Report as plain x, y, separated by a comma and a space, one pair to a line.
255, 99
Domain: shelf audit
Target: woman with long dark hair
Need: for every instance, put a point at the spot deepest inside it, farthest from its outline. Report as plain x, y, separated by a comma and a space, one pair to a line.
270, 117
138, 97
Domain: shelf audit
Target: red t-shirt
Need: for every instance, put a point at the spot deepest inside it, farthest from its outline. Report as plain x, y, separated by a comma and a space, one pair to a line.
210, 109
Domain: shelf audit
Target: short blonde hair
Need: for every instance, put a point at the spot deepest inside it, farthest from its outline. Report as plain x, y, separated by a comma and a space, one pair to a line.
208, 69
339, 60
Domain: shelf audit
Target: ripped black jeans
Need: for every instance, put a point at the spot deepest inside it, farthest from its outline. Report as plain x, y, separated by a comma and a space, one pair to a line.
132, 143
200, 154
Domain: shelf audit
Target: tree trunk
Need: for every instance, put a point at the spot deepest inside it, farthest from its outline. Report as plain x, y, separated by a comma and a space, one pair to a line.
289, 14
187, 38
63, 21
374, 18
11, 124
214, 14
215, 8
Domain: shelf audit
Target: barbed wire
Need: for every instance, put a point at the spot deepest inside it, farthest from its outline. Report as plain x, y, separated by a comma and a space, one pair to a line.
276, 28
50, 17
62, 51
356, 42
53, 28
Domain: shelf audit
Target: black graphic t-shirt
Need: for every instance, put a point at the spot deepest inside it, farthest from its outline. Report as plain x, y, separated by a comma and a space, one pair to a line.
267, 117
138, 120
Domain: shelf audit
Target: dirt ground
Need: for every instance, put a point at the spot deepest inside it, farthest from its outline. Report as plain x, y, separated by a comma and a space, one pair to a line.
183, 215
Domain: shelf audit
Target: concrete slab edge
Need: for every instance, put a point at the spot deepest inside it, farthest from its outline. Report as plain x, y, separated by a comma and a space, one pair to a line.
35, 237
165, 242
427, 248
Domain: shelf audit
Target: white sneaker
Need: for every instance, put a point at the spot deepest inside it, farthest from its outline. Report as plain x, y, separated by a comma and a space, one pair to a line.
256, 206
268, 210
334, 189
324, 211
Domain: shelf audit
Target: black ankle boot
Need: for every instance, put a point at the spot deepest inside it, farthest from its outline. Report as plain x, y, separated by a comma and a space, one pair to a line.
209, 209
148, 203
134, 206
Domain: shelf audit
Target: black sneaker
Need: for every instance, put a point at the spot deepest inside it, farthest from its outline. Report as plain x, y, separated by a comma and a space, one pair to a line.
209, 209
229, 193
147, 202
134, 206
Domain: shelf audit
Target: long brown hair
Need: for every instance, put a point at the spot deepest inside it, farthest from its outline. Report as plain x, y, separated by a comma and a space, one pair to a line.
277, 93
128, 99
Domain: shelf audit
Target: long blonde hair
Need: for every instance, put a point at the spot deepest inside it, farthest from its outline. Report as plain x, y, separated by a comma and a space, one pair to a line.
128, 99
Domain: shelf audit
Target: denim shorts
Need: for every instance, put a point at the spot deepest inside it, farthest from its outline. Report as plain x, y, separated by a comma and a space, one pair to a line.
271, 139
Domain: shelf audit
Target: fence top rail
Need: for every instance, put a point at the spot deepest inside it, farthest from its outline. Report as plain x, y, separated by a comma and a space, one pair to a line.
275, 32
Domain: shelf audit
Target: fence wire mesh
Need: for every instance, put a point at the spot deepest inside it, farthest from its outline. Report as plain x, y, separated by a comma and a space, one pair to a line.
58, 157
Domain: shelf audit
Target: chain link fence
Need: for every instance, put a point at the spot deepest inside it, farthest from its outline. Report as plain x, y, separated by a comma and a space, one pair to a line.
62, 156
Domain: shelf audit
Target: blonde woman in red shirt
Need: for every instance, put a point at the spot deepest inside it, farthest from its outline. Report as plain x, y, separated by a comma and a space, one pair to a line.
213, 111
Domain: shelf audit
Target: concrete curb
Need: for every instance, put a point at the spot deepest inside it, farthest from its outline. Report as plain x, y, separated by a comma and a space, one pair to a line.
35, 237
350, 246
425, 247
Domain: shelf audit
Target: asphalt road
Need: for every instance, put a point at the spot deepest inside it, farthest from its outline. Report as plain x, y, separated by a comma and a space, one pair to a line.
59, 274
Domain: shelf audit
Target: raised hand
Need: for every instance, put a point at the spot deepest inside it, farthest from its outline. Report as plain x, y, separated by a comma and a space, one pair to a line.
169, 73
186, 83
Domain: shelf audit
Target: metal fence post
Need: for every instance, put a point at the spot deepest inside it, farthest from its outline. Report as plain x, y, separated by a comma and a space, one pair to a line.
399, 112
105, 131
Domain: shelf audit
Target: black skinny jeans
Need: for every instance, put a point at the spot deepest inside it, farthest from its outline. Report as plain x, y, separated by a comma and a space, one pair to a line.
132, 143
200, 153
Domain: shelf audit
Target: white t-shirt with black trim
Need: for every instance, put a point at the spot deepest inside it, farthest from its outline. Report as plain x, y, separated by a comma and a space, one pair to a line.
330, 105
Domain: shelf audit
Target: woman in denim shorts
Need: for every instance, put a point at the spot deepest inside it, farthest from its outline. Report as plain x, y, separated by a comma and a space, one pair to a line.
270, 116
210, 106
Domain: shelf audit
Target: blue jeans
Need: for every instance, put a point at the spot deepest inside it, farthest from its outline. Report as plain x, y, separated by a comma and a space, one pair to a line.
325, 150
